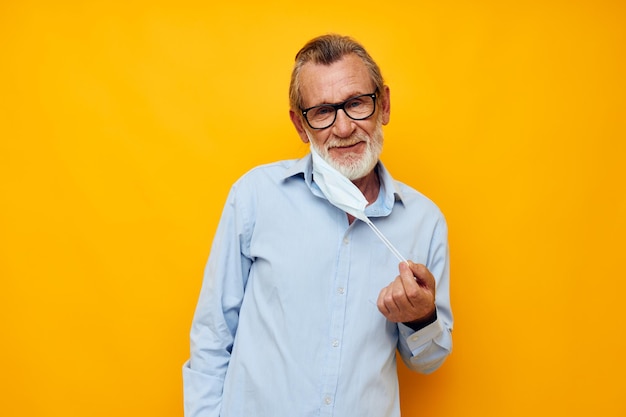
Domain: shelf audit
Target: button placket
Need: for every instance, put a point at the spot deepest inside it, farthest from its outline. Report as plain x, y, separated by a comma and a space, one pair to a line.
336, 327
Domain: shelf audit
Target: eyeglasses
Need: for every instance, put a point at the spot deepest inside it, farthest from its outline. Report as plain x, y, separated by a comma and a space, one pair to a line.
357, 108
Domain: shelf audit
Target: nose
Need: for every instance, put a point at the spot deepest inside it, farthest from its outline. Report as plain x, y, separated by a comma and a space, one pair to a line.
343, 126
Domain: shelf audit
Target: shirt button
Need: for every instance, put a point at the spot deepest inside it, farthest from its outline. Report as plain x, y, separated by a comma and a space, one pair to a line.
328, 400
340, 290
335, 343
346, 240
414, 338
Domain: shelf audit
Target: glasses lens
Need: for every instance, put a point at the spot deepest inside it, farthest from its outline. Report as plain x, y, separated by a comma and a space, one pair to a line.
360, 107
320, 117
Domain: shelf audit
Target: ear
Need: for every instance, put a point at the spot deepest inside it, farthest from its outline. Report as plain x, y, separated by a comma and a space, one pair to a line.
297, 122
385, 104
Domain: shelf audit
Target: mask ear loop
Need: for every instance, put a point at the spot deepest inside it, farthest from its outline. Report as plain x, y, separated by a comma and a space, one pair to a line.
386, 241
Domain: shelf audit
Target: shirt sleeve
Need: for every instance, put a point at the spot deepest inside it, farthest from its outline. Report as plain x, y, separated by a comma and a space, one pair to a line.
425, 350
217, 313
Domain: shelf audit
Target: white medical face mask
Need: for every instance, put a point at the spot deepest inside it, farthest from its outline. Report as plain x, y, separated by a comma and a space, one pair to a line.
338, 189
344, 195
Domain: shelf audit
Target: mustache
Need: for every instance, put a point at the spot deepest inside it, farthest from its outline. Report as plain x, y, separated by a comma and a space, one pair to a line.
352, 140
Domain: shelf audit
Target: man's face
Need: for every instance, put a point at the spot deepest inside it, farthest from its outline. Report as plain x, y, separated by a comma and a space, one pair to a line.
350, 146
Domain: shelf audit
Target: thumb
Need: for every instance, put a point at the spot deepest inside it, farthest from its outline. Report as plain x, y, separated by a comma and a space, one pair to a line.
406, 271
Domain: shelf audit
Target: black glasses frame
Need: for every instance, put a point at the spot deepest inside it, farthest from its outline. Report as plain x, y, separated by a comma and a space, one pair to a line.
340, 106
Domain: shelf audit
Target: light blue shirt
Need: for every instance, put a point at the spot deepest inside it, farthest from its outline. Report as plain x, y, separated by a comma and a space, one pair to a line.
287, 325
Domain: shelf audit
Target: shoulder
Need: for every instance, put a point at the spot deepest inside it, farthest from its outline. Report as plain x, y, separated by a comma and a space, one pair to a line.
414, 200
273, 172
265, 178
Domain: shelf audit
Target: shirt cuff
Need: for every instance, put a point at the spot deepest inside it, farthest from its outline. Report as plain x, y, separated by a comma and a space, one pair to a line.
419, 340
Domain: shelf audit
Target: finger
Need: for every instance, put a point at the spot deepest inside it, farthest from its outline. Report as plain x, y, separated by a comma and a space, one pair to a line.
381, 302
393, 297
406, 275
406, 291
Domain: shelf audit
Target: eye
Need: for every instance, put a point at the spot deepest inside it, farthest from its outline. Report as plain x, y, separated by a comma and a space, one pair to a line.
321, 111
355, 103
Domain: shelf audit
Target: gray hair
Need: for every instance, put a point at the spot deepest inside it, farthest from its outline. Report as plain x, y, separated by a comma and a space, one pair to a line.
326, 50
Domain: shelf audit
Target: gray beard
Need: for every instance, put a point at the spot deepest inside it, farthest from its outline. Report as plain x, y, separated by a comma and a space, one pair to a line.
351, 167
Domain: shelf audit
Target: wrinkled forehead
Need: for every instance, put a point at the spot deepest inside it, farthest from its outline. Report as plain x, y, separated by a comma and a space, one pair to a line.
334, 83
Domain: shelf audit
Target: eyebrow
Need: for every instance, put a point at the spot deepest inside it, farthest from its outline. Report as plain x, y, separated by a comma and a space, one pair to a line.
352, 95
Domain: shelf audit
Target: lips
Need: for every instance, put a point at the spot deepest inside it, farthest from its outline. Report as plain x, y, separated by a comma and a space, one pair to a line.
343, 146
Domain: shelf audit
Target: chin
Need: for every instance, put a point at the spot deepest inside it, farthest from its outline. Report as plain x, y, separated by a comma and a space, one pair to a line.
356, 168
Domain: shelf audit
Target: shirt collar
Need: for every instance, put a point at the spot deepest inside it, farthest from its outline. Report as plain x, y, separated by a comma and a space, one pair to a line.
302, 166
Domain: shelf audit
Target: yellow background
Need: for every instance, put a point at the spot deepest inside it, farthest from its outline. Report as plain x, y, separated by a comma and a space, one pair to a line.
123, 125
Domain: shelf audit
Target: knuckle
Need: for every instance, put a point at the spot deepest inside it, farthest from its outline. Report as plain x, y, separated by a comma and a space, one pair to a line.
389, 298
412, 293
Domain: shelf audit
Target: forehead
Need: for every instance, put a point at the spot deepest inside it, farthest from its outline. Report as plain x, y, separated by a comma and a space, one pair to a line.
335, 82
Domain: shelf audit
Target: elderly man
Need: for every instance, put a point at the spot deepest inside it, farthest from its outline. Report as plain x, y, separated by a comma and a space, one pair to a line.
303, 307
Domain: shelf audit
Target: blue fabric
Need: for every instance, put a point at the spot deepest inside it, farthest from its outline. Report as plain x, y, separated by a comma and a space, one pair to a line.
287, 325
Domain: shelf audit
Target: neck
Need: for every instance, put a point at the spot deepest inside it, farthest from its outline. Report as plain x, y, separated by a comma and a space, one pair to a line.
369, 186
